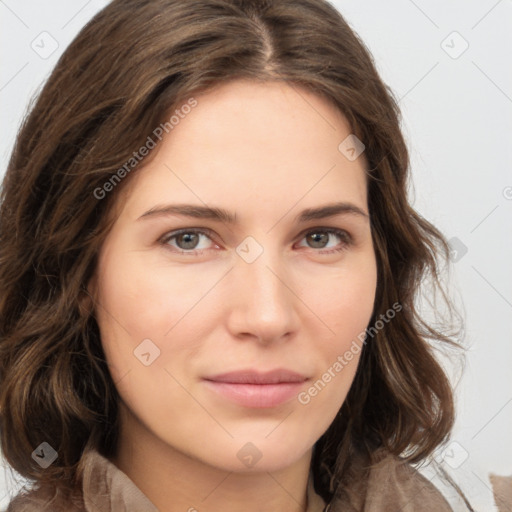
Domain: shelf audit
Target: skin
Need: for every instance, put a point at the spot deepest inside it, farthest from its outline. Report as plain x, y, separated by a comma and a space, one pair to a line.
265, 152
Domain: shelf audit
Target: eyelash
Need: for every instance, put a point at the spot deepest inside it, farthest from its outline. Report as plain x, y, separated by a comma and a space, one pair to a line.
342, 234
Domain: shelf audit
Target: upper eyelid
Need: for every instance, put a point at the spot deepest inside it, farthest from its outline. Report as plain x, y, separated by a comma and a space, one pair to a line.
202, 231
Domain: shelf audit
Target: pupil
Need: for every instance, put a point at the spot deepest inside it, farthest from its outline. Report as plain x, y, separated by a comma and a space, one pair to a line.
316, 235
189, 244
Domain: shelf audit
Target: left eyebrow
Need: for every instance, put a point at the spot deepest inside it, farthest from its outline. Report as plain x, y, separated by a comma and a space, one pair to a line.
221, 215
330, 210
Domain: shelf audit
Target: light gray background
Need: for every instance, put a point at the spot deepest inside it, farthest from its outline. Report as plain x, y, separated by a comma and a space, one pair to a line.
457, 117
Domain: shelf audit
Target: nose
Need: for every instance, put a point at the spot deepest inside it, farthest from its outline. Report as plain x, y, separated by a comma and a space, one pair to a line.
263, 302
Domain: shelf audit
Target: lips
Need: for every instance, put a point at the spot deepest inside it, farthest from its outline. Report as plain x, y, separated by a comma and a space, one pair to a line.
251, 388
254, 377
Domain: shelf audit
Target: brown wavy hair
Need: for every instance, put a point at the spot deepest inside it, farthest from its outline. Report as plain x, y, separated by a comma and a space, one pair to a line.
132, 64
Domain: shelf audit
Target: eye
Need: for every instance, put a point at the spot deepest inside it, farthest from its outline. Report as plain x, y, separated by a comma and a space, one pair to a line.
188, 241
319, 237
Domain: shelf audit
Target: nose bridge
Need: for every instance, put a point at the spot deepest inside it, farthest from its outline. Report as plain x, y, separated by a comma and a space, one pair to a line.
261, 266
265, 300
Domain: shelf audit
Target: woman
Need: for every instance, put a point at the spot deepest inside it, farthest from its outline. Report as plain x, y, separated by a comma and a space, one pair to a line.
209, 269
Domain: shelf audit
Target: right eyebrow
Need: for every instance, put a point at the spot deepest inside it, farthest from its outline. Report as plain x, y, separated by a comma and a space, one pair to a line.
191, 210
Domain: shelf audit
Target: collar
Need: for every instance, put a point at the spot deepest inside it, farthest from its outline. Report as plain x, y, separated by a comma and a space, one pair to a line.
107, 488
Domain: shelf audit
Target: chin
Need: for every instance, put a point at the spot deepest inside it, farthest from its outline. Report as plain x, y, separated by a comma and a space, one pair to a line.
253, 454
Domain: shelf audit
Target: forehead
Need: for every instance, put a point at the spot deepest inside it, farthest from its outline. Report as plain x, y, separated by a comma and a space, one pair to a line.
248, 144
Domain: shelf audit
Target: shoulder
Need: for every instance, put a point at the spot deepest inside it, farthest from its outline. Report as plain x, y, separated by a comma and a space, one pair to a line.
394, 481
103, 487
391, 484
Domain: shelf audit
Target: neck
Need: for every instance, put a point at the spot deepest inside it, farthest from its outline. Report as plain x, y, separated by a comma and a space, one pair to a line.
176, 482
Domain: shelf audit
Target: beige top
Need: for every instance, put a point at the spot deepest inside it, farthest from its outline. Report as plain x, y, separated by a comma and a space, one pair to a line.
391, 486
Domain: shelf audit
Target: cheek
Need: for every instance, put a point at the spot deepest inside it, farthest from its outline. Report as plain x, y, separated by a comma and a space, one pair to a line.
137, 302
136, 311
345, 305
344, 300
145, 298
351, 311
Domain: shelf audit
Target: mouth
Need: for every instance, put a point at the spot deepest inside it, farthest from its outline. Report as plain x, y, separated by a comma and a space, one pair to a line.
250, 388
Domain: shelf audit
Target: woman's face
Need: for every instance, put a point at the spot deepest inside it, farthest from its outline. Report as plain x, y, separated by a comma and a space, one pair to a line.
236, 342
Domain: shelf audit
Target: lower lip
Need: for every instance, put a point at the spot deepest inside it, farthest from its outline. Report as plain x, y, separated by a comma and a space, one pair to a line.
257, 396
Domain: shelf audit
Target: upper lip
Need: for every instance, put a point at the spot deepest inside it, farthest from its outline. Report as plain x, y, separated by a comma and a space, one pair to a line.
258, 377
